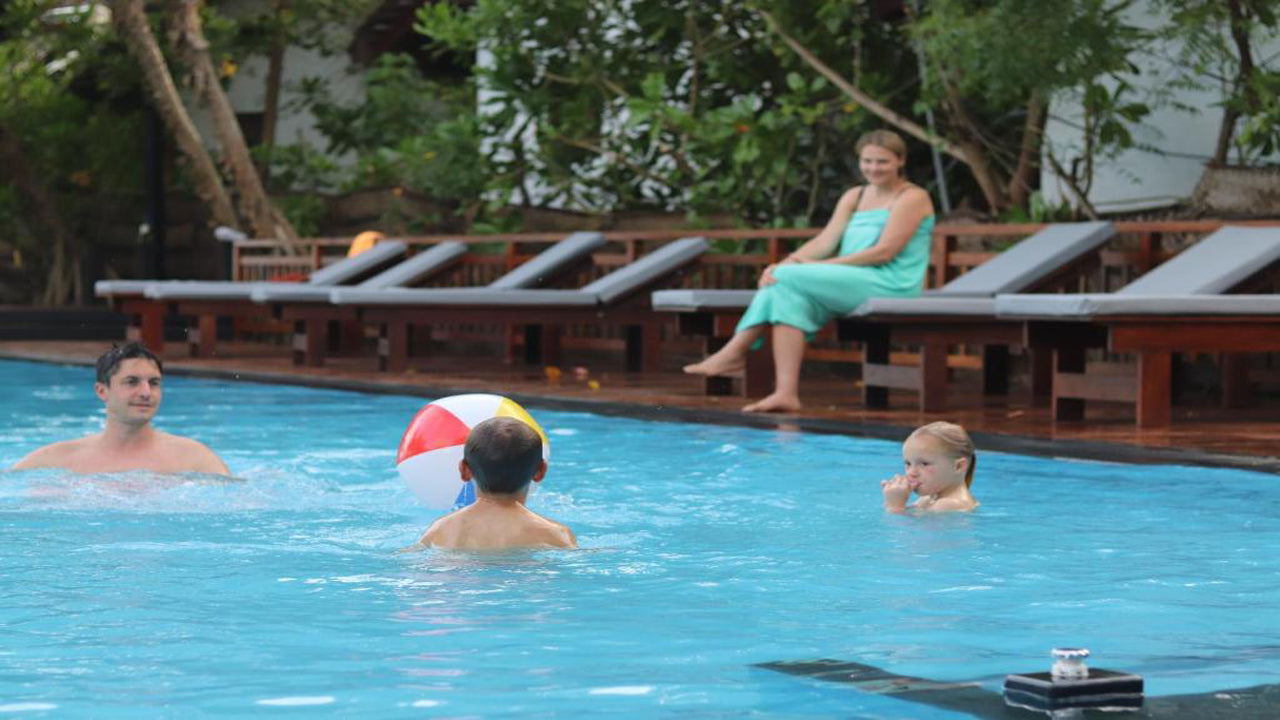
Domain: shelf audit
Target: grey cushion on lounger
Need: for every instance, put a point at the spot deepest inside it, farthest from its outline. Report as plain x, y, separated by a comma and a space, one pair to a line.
349, 268
1090, 305
462, 297
109, 288
629, 278
343, 270
929, 305
1030, 260
610, 288
404, 273
550, 261
1019, 267
547, 263
698, 300
199, 290
1217, 263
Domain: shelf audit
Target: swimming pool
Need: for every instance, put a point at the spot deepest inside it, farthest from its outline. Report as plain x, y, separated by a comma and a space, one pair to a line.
707, 549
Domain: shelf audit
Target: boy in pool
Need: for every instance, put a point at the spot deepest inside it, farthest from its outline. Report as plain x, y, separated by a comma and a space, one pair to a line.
129, 386
938, 461
502, 456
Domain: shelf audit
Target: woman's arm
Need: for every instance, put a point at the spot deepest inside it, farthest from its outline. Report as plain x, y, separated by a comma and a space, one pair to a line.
905, 217
824, 244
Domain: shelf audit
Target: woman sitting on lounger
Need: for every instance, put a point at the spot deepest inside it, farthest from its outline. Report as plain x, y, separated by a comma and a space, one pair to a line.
875, 244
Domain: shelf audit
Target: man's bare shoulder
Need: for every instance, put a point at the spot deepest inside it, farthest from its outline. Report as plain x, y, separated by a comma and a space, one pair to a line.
55, 455
192, 455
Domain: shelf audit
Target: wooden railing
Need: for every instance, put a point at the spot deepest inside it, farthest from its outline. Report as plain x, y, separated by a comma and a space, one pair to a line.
737, 255
735, 262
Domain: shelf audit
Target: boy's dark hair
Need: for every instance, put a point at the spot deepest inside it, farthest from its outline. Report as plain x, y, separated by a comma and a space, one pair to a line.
109, 361
503, 453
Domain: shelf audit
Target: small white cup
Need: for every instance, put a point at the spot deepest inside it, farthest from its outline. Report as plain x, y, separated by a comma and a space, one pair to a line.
1068, 664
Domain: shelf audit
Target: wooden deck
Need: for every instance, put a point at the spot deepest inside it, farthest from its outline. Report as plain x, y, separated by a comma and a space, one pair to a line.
1203, 435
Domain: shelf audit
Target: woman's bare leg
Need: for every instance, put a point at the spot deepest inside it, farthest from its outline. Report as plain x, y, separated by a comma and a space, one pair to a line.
730, 358
788, 353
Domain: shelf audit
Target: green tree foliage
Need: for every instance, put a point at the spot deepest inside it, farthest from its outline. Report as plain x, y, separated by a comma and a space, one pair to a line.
669, 105
994, 66
1227, 48
68, 110
408, 132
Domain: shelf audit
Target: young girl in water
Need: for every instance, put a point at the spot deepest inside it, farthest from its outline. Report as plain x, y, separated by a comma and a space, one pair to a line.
938, 461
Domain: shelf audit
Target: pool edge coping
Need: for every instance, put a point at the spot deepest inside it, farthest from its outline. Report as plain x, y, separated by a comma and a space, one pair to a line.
985, 440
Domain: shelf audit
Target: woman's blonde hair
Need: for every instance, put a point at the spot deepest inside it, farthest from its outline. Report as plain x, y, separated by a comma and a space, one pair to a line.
955, 440
888, 140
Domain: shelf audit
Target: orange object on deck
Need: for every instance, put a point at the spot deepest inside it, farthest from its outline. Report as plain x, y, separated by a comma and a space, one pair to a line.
364, 241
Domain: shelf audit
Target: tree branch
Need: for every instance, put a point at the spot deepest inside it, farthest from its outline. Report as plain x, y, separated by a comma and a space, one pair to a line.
874, 107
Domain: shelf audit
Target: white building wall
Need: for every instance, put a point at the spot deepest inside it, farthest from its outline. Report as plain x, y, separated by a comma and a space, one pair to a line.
247, 92
1174, 144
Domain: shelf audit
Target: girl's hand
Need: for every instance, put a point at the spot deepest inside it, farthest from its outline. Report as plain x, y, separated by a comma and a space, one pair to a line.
896, 491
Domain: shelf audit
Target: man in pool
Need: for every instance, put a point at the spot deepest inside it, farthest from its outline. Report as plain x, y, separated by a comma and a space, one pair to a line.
502, 456
129, 385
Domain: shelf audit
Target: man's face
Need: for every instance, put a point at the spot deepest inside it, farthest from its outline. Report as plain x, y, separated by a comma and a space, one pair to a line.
132, 395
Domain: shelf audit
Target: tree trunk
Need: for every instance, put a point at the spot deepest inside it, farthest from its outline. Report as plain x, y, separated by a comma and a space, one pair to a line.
271, 96
263, 217
1243, 81
63, 283
131, 23
1020, 185
975, 155
971, 153
863, 99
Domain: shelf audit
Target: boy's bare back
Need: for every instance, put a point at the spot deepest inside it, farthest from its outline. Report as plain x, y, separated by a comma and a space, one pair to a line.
487, 525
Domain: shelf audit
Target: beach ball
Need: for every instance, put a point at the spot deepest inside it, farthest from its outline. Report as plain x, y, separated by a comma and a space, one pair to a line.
431, 447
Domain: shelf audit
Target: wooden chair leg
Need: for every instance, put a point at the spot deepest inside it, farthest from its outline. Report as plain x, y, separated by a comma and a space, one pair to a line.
643, 347
393, 347
875, 351
1068, 360
315, 342
150, 329
1235, 380
715, 384
533, 344
1155, 375
351, 337
757, 376
995, 369
203, 343
933, 377
1041, 376
551, 350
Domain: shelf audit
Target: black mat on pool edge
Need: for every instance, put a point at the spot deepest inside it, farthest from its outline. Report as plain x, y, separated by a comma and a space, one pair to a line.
1261, 702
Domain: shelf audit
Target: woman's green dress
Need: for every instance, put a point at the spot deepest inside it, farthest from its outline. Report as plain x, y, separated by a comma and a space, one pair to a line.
807, 295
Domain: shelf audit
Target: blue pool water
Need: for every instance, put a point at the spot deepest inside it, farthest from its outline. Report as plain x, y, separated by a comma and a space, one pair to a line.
707, 549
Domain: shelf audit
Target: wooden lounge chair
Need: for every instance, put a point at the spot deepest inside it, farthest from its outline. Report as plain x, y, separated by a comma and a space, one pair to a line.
1177, 307
962, 311
618, 298
148, 301
311, 311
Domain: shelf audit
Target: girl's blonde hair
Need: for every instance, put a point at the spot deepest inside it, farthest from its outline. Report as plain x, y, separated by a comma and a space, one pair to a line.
887, 139
955, 440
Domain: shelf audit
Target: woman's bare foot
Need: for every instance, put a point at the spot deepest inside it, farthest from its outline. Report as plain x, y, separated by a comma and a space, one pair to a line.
774, 403
716, 364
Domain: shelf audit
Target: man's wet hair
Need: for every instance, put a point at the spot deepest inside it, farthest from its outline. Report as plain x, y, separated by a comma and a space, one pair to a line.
109, 361
503, 454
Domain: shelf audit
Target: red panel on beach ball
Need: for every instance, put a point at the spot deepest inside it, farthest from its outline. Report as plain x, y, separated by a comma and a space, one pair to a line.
431, 429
